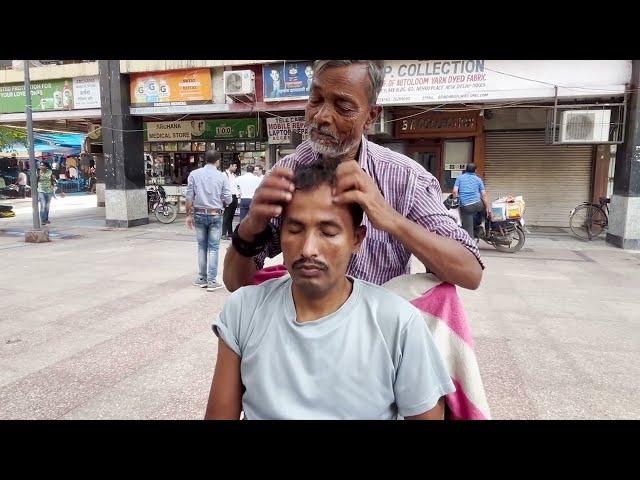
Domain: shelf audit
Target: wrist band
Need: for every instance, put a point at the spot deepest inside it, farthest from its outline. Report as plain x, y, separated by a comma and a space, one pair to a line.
251, 249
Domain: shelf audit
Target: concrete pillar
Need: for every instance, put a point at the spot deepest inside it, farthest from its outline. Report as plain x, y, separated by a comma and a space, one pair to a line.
100, 187
122, 140
624, 218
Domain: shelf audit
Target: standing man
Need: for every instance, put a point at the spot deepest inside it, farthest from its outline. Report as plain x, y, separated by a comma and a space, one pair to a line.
259, 171
46, 184
230, 211
473, 198
208, 192
401, 200
247, 183
22, 184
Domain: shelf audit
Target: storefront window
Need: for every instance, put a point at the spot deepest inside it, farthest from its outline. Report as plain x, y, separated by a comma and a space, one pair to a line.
456, 155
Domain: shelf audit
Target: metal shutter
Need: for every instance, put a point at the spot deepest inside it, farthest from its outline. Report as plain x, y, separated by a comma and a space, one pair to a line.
552, 178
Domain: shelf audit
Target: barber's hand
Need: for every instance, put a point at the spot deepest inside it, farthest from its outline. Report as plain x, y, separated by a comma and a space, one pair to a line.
354, 185
189, 222
273, 193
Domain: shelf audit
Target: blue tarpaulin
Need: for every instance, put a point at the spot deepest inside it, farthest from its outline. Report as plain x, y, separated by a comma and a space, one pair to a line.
63, 143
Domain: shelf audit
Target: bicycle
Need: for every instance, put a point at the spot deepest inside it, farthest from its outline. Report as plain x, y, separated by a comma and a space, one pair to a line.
589, 219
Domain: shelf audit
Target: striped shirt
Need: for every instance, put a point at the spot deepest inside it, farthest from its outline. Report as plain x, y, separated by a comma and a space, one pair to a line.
409, 189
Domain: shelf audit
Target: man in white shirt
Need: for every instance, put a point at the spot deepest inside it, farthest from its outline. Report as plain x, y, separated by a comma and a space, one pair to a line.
248, 184
22, 184
230, 211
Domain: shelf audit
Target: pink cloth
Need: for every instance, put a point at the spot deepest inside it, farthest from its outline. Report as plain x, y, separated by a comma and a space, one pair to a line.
443, 312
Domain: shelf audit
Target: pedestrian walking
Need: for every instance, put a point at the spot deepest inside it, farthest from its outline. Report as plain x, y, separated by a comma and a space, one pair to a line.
230, 211
247, 183
208, 192
46, 186
22, 184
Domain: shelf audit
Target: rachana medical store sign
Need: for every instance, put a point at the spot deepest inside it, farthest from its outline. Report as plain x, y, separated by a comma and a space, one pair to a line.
409, 82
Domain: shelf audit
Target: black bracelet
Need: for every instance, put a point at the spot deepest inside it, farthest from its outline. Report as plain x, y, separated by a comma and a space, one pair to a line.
251, 249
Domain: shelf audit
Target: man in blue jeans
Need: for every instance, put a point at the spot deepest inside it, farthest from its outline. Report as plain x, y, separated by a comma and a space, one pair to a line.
208, 193
46, 185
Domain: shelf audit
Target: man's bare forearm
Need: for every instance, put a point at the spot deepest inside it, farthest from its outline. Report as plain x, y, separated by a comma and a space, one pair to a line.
447, 258
238, 270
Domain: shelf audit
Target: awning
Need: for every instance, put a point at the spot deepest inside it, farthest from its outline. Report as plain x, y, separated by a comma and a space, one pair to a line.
55, 143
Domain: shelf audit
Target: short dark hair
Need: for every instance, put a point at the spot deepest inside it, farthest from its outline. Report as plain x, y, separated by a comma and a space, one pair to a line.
212, 156
315, 174
471, 168
374, 67
249, 168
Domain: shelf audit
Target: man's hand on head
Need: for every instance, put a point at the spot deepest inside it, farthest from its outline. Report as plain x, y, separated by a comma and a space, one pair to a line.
274, 192
354, 185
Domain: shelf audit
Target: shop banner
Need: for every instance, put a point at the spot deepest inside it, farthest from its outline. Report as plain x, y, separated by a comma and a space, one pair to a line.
279, 129
86, 92
409, 82
237, 128
45, 96
179, 87
287, 81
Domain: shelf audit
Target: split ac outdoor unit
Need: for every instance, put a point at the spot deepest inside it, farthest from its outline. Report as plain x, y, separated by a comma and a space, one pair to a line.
239, 82
585, 126
383, 126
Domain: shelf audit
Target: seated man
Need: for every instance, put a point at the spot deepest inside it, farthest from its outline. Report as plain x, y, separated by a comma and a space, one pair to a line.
319, 344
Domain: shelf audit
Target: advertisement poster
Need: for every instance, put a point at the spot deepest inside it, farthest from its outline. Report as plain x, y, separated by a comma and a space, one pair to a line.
287, 81
86, 92
174, 88
180, 131
45, 96
279, 129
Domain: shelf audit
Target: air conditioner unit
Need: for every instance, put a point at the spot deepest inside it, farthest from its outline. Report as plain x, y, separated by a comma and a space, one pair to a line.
585, 126
383, 126
239, 82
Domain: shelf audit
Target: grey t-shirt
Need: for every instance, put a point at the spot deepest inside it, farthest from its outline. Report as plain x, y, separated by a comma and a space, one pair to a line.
374, 358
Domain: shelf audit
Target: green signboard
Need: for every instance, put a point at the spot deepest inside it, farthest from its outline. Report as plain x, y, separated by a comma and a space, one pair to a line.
45, 95
198, 130
235, 128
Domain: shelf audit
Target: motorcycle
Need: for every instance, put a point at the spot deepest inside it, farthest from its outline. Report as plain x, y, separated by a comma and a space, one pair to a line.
156, 202
505, 235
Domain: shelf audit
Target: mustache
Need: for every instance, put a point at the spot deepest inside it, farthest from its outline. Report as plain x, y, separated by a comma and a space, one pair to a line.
323, 130
307, 262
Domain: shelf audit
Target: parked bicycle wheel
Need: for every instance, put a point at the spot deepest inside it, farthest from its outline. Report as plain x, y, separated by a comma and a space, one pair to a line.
166, 213
588, 221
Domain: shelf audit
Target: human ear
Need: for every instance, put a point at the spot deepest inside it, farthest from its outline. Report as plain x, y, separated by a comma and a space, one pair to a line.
374, 113
358, 238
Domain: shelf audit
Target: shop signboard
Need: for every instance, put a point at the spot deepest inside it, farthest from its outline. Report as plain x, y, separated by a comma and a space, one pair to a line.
201, 130
232, 128
287, 81
438, 124
46, 95
172, 88
86, 92
409, 82
279, 129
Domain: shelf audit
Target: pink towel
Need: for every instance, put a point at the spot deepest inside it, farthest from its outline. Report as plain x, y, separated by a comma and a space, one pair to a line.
443, 312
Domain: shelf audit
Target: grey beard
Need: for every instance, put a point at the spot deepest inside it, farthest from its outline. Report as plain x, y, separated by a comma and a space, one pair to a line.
330, 151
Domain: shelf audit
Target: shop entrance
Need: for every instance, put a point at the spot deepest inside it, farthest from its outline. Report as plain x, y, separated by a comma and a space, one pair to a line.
428, 157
